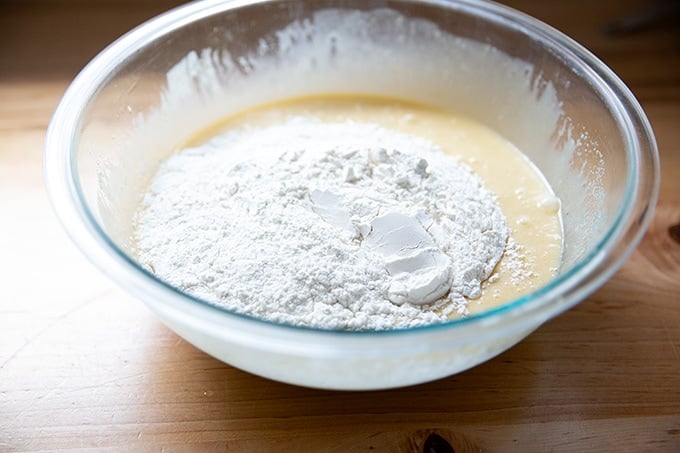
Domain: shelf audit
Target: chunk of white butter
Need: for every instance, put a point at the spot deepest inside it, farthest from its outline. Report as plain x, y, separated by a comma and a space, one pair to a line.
420, 272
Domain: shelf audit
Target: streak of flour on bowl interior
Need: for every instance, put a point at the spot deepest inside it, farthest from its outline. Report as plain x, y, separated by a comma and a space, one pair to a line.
381, 230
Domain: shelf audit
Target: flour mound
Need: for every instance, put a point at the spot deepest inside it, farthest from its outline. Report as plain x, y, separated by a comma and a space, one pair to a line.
328, 225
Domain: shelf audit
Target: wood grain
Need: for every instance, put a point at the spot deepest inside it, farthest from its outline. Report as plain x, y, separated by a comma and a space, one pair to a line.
84, 366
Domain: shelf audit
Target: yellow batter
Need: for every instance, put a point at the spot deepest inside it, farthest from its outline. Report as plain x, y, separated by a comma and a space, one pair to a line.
531, 209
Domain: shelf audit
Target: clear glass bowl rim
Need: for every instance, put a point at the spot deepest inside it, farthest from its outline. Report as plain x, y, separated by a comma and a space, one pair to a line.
61, 173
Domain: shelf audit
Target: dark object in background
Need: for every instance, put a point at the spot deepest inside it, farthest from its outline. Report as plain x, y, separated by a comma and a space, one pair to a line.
664, 12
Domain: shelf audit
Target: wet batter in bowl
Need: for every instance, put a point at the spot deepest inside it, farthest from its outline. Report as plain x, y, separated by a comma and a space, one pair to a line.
206, 226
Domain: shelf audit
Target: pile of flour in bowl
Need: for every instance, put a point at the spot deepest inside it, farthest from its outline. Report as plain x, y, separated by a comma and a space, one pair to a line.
329, 225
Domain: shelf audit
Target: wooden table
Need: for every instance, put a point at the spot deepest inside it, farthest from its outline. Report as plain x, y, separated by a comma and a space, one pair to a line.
83, 365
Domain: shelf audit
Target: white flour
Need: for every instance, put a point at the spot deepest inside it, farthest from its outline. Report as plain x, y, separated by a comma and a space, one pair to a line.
338, 226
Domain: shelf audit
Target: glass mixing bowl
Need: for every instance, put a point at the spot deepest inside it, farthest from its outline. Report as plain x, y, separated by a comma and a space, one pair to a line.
174, 75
